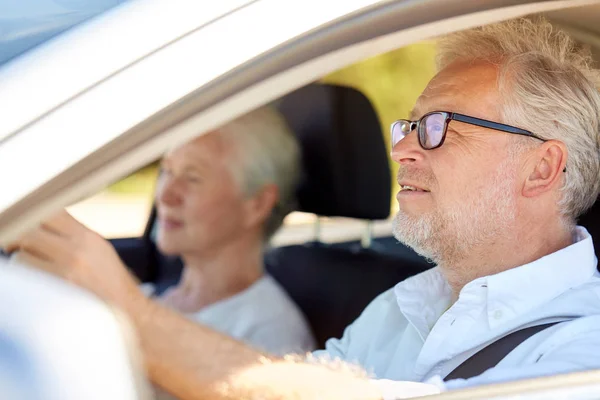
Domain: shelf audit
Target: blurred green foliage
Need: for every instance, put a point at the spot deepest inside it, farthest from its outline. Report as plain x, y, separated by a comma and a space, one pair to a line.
391, 81
141, 182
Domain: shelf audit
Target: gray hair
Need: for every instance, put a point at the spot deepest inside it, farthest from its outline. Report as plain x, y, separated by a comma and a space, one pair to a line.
548, 86
266, 152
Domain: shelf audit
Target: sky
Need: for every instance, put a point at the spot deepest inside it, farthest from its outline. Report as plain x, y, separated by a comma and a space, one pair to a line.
27, 23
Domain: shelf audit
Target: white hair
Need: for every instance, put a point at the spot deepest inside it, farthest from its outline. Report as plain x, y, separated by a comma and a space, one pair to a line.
266, 152
548, 86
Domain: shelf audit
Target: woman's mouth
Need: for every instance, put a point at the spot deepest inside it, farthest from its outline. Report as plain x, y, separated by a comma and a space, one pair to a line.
170, 224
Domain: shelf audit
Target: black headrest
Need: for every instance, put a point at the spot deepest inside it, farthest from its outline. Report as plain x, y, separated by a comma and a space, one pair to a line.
346, 170
591, 221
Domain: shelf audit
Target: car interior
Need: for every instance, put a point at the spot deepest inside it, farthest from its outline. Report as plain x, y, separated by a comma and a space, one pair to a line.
345, 174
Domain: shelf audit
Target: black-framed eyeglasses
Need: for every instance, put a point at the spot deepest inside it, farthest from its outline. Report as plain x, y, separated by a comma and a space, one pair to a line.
432, 128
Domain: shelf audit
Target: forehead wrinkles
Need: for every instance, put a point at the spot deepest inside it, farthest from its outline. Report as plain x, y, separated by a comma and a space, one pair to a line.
470, 88
438, 91
441, 83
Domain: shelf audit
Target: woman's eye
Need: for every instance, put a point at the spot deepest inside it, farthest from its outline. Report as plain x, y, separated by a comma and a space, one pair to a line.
164, 171
193, 178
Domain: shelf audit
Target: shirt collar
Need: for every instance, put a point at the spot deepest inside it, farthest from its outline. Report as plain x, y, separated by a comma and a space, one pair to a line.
519, 290
425, 297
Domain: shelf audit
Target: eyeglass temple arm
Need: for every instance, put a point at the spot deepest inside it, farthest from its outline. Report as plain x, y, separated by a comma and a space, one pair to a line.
496, 126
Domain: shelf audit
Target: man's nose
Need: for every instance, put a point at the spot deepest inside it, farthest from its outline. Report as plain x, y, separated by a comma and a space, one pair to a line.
408, 150
168, 192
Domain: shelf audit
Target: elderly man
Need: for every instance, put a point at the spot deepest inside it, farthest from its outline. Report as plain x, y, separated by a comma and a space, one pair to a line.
500, 157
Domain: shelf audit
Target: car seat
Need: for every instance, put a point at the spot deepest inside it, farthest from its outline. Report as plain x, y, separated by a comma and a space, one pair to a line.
347, 174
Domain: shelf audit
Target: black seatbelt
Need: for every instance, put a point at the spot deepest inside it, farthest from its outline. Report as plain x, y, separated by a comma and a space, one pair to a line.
493, 353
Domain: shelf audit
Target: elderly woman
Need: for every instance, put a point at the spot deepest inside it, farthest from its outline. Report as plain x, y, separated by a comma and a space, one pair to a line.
219, 199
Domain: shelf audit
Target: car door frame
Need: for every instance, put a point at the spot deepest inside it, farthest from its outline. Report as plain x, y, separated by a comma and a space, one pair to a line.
130, 141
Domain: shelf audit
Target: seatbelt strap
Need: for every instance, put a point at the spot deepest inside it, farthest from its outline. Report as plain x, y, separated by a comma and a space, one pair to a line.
493, 353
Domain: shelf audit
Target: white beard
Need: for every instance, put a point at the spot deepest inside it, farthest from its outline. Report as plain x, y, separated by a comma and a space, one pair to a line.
447, 236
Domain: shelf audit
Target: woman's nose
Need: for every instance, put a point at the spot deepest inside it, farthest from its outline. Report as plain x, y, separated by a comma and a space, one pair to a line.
168, 192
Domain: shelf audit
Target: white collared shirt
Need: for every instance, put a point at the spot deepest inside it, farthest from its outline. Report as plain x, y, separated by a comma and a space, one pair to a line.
409, 334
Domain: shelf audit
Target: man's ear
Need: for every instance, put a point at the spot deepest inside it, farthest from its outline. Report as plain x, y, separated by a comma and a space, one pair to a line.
259, 207
548, 162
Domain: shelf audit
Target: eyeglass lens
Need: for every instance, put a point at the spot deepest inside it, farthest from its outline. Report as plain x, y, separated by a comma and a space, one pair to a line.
430, 130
